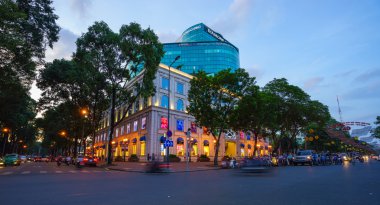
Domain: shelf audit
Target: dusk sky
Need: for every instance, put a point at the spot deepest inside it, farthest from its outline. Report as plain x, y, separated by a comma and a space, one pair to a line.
328, 48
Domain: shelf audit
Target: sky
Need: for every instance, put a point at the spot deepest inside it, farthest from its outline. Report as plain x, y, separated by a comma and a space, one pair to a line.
327, 48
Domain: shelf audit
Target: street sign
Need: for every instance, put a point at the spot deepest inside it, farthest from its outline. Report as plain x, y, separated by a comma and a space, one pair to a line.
169, 133
168, 143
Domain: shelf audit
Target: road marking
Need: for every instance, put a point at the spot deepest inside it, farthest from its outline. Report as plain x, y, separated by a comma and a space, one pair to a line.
127, 168
43, 172
58, 172
6, 173
73, 171
85, 171
25, 172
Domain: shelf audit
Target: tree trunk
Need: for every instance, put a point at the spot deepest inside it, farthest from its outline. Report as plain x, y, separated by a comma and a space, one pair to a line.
217, 148
112, 124
255, 144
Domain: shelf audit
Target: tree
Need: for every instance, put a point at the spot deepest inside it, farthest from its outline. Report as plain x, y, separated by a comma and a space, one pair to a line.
213, 100
26, 28
119, 57
376, 132
294, 111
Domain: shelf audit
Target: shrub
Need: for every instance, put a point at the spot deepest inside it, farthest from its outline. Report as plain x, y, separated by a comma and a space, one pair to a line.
203, 158
133, 158
174, 158
119, 159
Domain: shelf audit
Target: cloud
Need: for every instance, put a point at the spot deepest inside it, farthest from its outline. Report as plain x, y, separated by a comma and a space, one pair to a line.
312, 82
344, 74
256, 71
80, 7
237, 14
368, 75
64, 47
370, 91
167, 37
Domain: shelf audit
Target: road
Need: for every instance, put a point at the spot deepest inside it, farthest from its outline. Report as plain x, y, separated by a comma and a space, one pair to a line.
40, 184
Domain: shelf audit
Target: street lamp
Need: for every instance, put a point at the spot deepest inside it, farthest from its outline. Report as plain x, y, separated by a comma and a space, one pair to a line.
169, 133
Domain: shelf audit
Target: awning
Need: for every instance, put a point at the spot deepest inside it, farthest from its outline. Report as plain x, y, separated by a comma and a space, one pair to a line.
180, 140
248, 137
249, 146
242, 145
206, 143
143, 138
162, 139
194, 141
103, 147
134, 140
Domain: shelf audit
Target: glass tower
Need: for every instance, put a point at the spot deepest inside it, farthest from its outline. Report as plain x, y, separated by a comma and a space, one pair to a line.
201, 48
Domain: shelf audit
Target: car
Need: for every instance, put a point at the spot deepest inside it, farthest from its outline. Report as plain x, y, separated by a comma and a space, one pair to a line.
345, 157
255, 165
1, 162
23, 158
304, 157
90, 161
37, 159
12, 159
45, 159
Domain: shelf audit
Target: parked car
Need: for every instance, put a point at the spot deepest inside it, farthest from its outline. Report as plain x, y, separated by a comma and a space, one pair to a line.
304, 157
1, 161
12, 159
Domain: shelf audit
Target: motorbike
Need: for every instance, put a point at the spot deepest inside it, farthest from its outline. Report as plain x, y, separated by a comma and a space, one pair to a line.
59, 162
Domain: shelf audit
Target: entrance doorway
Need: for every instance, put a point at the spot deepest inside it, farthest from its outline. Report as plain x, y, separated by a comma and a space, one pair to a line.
230, 149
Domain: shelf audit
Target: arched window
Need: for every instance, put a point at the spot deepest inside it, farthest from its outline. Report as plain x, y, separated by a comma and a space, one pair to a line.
164, 101
180, 105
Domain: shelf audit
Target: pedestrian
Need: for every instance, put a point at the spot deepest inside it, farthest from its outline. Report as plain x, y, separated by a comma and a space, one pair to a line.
148, 157
153, 158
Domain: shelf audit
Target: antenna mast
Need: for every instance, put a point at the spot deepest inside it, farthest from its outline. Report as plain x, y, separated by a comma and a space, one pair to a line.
340, 111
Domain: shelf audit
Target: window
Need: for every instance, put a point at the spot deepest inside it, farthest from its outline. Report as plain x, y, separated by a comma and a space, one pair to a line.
145, 102
128, 128
135, 126
117, 132
143, 123
142, 148
122, 130
165, 83
165, 101
180, 105
137, 106
180, 125
180, 88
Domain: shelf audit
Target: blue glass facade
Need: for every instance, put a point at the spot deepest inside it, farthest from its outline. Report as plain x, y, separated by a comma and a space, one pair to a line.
201, 48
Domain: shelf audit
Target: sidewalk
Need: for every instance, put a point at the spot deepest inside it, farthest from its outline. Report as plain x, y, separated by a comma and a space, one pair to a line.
174, 166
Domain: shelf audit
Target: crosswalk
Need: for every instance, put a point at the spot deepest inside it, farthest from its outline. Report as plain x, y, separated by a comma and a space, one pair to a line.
41, 172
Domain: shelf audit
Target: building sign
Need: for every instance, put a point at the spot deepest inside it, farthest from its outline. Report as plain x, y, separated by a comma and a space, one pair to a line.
193, 127
143, 123
180, 125
191, 29
230, 134
216, 35
164, 123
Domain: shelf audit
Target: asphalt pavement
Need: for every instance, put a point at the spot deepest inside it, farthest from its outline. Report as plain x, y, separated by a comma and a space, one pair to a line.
339, 184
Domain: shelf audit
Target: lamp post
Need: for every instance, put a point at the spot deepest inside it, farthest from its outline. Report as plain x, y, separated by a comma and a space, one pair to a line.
169, 132
5, 132
84, 113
